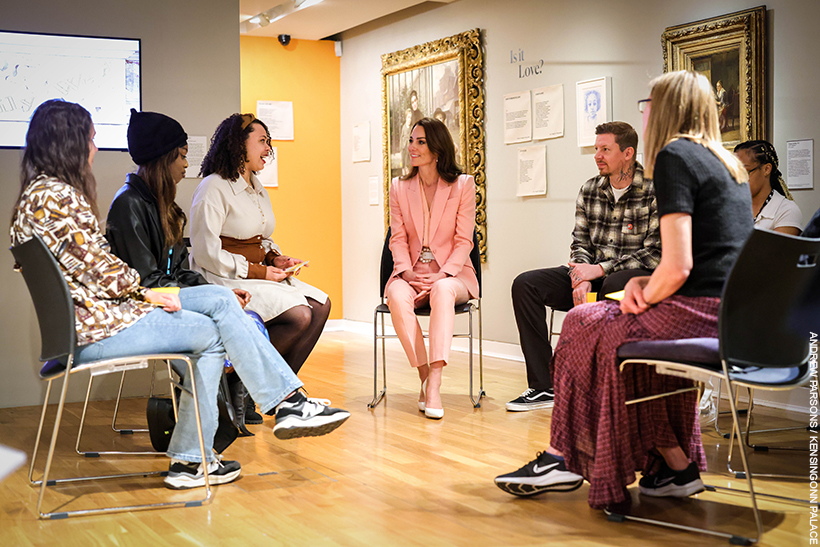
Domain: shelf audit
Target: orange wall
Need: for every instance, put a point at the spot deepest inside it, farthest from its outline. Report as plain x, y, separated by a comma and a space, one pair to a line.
307, 203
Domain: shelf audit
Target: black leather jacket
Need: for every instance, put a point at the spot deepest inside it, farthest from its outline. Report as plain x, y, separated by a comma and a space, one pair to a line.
135, 233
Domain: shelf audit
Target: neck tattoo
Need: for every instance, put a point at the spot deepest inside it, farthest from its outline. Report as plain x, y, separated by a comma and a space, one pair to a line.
626, 174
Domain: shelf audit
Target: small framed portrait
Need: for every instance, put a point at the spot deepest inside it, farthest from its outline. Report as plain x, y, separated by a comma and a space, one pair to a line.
729, 51
443, 79
593, 107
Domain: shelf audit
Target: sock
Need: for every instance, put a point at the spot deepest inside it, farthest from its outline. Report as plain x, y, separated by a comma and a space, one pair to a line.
296, 398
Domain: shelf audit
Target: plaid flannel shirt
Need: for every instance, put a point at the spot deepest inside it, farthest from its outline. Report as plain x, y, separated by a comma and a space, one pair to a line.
618, 236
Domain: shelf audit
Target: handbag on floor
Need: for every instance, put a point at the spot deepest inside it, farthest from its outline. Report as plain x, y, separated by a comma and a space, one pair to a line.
161, 422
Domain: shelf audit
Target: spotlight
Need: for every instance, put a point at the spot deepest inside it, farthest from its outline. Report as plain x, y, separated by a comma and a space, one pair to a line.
264, 20
284, 39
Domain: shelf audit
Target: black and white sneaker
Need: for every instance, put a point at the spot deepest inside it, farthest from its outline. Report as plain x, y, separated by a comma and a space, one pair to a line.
670, 483
544, 474
298, 416
184, 475
532, 399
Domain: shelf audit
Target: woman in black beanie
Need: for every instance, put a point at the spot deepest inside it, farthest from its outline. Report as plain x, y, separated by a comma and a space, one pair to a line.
145, 224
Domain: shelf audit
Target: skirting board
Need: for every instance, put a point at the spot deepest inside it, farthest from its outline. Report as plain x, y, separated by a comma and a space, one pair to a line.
794, 401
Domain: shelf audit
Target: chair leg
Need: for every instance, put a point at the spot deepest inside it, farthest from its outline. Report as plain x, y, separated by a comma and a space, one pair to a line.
733, 539
45, 482
475, 400
174, 402
718, 412
766, 448
39, 434
480, 353
97, 454
82, 417
117, 403
378, 395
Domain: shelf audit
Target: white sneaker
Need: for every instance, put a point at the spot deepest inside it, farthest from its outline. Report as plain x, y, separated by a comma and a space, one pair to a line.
298, 416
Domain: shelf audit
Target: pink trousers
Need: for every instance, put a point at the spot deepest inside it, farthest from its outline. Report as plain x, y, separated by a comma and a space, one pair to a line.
444, 295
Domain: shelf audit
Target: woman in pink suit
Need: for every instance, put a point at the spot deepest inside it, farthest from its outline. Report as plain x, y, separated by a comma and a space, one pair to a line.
432, 217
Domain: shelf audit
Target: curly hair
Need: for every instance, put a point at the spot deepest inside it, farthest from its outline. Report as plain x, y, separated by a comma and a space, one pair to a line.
227, 153
58, 143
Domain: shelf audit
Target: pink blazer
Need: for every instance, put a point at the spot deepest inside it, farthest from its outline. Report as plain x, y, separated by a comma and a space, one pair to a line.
452, 222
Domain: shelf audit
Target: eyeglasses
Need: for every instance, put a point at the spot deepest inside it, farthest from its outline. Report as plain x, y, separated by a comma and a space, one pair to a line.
750, 171
642, 104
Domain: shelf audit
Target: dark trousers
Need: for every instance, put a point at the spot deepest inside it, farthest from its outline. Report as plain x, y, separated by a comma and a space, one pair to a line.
532, 292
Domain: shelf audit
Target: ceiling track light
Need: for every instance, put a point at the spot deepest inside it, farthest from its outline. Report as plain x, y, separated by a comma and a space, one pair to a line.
274, 14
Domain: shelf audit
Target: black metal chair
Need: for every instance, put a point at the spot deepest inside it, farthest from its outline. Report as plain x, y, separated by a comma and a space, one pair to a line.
757, 345
55, 315
468, 307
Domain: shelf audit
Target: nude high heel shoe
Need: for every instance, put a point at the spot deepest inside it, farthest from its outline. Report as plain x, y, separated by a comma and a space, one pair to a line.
422, 406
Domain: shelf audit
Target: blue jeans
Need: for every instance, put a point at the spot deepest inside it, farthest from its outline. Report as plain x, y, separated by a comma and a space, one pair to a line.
210, 323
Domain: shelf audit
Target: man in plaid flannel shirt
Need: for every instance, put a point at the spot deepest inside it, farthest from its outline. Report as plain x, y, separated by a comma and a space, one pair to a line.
616, 237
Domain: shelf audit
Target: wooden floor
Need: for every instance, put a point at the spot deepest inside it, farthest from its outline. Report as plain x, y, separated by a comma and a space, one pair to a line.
387, 477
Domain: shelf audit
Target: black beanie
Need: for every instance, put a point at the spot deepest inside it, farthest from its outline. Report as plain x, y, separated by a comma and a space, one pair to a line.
151, 135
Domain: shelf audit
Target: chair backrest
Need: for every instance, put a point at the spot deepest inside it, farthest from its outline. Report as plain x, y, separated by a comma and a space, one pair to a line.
51, 297
475, 258
387, 262
763, 288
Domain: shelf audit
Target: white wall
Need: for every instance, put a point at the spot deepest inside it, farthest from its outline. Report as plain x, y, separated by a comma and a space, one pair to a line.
190, 71
577, 41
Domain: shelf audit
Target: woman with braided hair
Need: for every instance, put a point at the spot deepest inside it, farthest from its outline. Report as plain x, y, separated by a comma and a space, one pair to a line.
772, 203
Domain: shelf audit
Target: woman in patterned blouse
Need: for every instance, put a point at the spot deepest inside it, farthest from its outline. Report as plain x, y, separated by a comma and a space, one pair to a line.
116, 317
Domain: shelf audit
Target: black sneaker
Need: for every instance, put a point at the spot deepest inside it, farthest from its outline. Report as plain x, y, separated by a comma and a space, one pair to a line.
298, 416
544, 474
532, 399
185, 475
668, 482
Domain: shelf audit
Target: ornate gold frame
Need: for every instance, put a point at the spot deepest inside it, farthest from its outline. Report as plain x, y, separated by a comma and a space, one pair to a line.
742, 30
466, 48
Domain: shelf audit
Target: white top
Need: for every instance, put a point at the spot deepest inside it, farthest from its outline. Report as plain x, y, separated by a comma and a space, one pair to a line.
779, 212
619, 192
234, 209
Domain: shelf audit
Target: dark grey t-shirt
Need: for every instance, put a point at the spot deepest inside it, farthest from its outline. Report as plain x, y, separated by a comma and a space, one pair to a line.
690, 179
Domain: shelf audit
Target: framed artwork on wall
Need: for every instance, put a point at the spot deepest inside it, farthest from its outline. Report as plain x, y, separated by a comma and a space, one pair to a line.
593, 105
443, 79
729, 51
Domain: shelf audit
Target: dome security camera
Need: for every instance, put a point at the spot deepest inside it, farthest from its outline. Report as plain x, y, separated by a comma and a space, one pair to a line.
284, 39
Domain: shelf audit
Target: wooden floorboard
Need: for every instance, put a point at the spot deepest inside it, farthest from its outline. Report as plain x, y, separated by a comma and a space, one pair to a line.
387, 477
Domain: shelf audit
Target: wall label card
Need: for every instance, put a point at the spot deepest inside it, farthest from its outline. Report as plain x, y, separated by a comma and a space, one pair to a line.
800, 164
548, 112
278, 116
197, 148
517, 118
361, 142
532, 171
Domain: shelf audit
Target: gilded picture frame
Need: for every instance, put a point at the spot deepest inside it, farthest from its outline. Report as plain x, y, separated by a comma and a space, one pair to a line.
444, 79
729, 50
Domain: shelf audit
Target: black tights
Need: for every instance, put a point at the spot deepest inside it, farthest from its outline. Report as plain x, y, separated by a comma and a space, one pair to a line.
295, 332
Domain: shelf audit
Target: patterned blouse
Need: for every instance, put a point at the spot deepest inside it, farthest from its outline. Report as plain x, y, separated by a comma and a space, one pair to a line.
106, 292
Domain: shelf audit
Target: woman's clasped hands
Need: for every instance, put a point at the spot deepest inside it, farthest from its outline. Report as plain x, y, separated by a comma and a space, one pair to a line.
422, 282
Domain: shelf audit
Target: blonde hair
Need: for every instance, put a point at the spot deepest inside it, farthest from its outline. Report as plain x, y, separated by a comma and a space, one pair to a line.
683, 107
